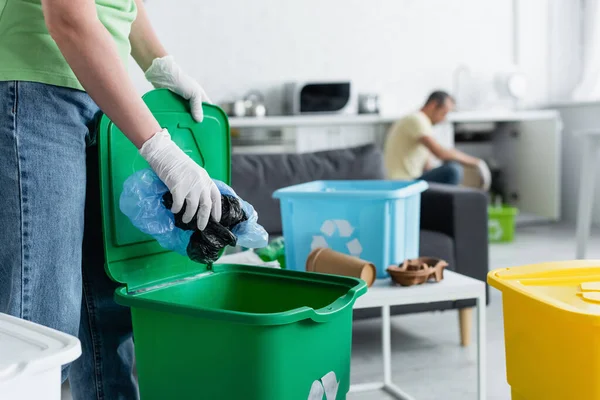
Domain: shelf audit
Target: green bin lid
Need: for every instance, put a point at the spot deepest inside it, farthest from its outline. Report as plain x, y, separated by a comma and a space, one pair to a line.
133, 257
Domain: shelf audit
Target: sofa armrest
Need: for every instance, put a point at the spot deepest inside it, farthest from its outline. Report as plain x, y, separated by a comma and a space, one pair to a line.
460, 213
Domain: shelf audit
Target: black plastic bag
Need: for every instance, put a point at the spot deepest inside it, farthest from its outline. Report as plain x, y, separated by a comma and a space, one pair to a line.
204, 246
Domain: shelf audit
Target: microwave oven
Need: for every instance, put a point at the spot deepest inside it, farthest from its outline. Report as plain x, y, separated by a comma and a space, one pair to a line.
320, 98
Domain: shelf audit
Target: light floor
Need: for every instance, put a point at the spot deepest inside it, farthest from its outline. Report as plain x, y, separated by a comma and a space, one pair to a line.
428, 362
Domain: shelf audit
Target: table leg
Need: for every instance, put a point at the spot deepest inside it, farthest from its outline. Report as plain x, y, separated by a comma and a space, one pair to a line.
481, 347
586, 194
386, 344
465, 320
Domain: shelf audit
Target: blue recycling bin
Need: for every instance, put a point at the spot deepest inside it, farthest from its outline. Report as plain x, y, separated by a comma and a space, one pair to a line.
375, 220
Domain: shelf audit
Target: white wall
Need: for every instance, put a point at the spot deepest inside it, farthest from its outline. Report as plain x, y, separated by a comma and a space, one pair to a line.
566, 56
533, 46
401, 48
566, 48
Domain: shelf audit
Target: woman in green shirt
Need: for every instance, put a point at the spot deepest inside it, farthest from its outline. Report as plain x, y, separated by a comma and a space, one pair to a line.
61, 62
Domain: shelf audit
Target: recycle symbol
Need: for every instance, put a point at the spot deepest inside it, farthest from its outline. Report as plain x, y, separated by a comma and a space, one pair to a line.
327, 386
344, 229
495, 230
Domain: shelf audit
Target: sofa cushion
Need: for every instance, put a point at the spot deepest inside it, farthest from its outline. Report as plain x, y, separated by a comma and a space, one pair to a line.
256, 176
436, 244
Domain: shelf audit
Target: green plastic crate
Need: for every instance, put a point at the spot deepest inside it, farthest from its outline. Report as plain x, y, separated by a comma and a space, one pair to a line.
227, 332
501, 224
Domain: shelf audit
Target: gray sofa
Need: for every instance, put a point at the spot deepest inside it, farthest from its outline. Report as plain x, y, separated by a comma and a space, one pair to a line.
453, 219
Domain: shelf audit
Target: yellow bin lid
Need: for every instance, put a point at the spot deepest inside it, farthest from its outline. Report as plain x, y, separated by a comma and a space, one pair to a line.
571, 286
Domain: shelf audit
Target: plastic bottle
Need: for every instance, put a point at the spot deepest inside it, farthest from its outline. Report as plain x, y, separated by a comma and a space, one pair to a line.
274, 251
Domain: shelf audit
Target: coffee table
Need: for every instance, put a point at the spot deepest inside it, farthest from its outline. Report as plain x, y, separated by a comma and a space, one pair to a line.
453, 287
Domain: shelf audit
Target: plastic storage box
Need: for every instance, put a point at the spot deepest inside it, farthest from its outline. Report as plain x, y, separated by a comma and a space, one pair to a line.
501, 224
225, 332
551, 329
31, 357
377, 221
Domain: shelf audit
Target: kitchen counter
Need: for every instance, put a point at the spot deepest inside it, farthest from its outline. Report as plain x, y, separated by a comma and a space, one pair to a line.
532, 186
376, 119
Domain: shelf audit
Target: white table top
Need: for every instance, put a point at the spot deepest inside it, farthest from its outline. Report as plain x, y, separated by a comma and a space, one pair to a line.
453, 287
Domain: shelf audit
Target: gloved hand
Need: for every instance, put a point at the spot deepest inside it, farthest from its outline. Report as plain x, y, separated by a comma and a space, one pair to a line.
188, 182
165, 73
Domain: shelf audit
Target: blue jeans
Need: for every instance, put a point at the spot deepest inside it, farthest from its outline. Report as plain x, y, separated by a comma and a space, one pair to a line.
450, 173
51, 253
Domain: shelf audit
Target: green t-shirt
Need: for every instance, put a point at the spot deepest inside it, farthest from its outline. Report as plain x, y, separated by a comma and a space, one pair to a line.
28, 53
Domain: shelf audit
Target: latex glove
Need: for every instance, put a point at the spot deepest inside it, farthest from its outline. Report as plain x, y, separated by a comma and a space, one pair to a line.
165, 73
188, 182
486, 175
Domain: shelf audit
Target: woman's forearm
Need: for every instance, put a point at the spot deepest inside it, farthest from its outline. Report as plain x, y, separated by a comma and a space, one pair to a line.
145, 45
92, 55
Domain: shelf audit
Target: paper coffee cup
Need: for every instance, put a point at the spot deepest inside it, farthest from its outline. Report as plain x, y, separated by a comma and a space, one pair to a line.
327, 261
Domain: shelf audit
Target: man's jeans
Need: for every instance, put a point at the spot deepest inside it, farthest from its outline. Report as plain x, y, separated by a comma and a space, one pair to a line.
51, 252
450, 173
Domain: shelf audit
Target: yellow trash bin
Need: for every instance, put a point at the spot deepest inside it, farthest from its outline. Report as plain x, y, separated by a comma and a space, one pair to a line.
551, 329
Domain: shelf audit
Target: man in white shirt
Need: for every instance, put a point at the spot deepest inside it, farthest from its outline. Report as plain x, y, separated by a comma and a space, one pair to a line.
410, 146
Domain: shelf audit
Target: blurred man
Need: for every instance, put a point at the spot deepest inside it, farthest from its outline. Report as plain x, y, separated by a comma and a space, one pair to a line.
410, 146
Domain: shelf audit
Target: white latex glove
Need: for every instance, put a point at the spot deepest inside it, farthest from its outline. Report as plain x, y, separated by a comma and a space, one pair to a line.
165, 73
188, 182
486, 175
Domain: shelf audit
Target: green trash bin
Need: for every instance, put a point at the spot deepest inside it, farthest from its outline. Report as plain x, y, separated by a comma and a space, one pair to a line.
227, 332
501, 224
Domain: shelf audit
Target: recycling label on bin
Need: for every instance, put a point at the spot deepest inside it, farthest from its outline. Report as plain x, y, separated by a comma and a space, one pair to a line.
344, 230
495, 231
326, 386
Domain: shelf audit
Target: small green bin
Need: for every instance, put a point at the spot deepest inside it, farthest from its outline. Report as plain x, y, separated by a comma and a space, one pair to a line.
226, 332
501, 224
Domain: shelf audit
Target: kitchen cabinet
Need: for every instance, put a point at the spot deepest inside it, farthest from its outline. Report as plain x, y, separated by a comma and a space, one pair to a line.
528, 156
524, 144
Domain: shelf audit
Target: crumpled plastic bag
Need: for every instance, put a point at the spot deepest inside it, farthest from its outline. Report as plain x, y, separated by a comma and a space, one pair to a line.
206, 245
145, 201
